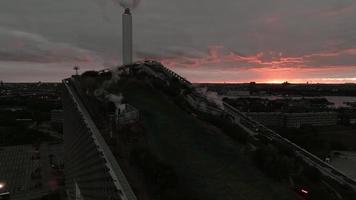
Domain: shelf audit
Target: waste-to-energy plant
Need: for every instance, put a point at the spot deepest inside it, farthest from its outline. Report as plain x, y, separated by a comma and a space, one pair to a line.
141, 131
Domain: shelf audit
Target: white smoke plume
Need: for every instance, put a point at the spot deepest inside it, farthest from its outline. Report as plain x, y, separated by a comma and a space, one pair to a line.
128, 3
212, 96
116, 99
100, 92
115, 77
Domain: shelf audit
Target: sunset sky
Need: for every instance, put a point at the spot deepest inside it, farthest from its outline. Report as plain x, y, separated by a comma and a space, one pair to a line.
203, 40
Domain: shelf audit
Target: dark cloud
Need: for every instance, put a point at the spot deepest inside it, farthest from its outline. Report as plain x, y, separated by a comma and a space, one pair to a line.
128, 3
18, 46
225, 36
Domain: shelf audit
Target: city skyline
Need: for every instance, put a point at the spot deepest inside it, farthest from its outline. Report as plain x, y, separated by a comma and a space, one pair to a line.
208, 41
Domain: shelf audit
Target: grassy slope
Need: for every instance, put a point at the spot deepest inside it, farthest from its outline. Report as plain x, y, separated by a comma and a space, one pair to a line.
206, 161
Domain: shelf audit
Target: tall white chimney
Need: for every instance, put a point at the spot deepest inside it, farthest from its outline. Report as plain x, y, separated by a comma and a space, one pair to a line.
127, 37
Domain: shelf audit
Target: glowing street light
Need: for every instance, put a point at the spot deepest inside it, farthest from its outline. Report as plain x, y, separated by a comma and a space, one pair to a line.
2, 185
304, 191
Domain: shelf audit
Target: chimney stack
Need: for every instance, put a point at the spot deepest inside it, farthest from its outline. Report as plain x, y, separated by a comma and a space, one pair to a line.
127, 37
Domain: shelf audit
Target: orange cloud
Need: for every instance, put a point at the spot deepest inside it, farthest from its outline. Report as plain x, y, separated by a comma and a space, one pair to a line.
216, 56
263, 67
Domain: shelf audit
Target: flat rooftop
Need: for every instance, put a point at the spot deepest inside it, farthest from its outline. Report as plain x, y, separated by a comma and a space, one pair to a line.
17, 167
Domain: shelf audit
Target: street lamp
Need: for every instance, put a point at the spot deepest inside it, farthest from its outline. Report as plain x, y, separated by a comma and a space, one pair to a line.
76, 68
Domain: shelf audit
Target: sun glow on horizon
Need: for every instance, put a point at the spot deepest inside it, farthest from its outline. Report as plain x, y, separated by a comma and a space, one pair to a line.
275, 81
331, 75
221, 64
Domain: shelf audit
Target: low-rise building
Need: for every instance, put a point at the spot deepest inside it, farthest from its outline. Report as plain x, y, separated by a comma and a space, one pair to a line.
25, 171
238, 93
57, 116
275, 119
294, 120
126, 114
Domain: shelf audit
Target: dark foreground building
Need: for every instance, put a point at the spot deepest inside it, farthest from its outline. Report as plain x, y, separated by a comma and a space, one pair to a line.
143, 132
155, 157
91, 170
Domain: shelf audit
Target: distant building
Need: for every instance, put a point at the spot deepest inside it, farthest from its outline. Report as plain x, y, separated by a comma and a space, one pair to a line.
126, 114
295, 120
22, 173
353, 121
24, 121
57, 120
57, 116
275, 119
239, 93
13, 109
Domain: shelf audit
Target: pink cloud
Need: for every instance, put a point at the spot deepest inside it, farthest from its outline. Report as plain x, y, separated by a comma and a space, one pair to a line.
268, 66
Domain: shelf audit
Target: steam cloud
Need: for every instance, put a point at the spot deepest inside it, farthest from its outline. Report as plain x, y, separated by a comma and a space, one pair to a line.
116, 99
212, 96
128, 3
